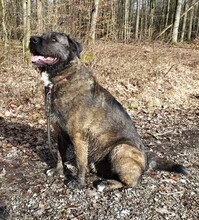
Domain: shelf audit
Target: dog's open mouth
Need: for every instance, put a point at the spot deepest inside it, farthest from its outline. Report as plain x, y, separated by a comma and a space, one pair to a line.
38, 59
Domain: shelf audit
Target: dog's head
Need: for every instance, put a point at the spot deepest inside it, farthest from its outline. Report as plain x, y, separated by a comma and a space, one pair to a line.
52, 51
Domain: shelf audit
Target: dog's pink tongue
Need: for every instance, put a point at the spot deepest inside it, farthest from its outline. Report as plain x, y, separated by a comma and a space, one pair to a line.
42, 60
36, 58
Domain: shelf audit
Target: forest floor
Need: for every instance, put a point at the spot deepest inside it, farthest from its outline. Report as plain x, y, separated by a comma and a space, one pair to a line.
158, 84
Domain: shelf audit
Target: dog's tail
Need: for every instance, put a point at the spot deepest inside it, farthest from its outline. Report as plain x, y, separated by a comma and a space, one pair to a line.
157, 163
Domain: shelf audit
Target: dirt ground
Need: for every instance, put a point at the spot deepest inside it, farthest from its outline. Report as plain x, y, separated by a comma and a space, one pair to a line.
158, 84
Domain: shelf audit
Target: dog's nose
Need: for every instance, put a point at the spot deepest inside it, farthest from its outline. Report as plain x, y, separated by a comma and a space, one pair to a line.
34, 40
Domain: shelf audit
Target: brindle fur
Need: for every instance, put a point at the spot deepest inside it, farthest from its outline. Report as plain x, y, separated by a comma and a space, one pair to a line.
90, 119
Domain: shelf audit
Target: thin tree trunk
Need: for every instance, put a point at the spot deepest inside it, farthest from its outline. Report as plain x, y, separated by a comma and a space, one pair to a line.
113, 18
14, 7
94, 20
184, 23
26, 23
141, 22
137, 20
197, 25
163, 12
191, 22
152, 9
126, 21
121, 19
145, 17
5, 34
176, 22
167, 13
24, 26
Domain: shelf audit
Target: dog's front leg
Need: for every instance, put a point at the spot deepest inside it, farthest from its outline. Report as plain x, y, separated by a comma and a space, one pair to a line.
81, 154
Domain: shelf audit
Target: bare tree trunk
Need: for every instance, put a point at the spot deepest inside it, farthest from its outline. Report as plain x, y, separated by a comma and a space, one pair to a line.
24, 26
26, 23
40, 15
197, 25
94, 19
145, 15
152, 9
191, 21
141, 22
167, 13
126, 21
5, 34
176, 22
113, 18
197, 29
137, 20
184, 23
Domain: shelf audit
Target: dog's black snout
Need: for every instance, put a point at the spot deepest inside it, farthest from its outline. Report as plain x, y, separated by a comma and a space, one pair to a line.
34, 40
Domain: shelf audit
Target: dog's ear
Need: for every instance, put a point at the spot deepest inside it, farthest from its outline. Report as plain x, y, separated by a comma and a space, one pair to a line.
76, 47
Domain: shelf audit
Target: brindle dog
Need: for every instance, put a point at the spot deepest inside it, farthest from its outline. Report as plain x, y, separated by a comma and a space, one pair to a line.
89, 118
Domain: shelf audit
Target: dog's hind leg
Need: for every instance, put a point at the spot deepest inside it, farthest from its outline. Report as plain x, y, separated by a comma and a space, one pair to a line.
127, 165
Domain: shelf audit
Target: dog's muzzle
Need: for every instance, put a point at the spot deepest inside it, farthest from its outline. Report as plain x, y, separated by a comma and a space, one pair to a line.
38, 58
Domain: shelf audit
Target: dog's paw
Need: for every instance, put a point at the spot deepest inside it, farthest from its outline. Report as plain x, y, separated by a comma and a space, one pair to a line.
102, 188
73, 184
107, 185
53, 172
101, 185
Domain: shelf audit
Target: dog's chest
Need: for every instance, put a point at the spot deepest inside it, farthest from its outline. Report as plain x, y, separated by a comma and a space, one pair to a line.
46, 80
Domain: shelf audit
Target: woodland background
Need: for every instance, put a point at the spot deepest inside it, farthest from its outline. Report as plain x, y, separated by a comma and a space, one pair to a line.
115, 20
